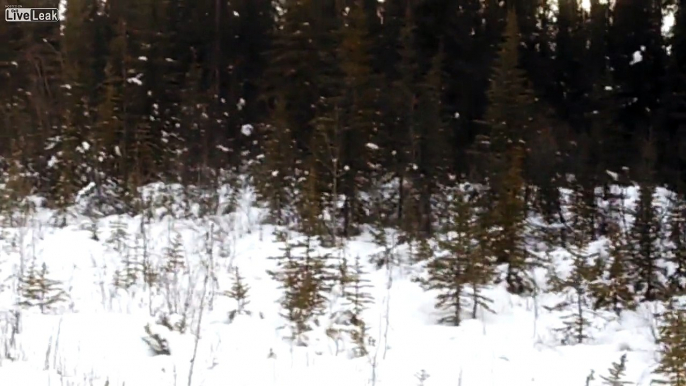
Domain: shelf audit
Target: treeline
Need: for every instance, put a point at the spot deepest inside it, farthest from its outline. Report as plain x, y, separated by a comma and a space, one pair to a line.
126, 92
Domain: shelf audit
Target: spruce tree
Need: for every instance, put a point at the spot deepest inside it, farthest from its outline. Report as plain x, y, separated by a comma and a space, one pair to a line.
503, 149
509, 216
306, 279
39, 290
174, 263
458, 265
239, 292
583, 208
358, 300
434, 151
614, 289
510, 106
646, 236
577, 288
672, 341
616, 373
402, 123
274, 172
360, 122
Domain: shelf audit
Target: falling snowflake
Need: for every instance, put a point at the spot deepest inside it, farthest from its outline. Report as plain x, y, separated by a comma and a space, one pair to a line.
135, 81
637, 58
247, 130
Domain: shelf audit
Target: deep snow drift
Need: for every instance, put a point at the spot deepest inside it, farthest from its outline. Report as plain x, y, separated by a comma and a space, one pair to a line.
95, 337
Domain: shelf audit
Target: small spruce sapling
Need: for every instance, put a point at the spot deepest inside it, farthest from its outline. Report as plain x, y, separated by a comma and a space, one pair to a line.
616, 373
576, 287
460, 263
39, 290
422, 376
238, 292
614, 289
306, 279
358, 299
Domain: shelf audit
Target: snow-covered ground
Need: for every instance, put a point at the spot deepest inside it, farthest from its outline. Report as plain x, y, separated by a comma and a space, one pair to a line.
95, 337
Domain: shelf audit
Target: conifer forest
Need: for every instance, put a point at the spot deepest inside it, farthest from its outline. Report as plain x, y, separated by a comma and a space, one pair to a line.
200, 162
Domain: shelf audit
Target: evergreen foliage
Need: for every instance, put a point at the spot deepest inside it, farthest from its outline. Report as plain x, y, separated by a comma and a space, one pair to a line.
672, 340
614, 288
38, 289
616, 373
576, 288
459, 265
239, 292
646, 237
358, 300
306, 279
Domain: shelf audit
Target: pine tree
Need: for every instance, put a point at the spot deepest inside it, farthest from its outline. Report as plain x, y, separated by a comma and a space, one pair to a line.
576, 288
358, 300
510, 107
16, 188
614, 288
509, 216
174, 256
274, 177
402, 122
239, 292
481, 266
503, 149
458, 265
108, 127
118, 239
616, 373
306, 278
129, 272
39, 290
434, 152
359, 118
672, 341
288, 276
583, 209
646, 238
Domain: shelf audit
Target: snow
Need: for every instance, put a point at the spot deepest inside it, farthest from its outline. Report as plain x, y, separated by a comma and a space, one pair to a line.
247, 130
98, 335
636, 58
135, 80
